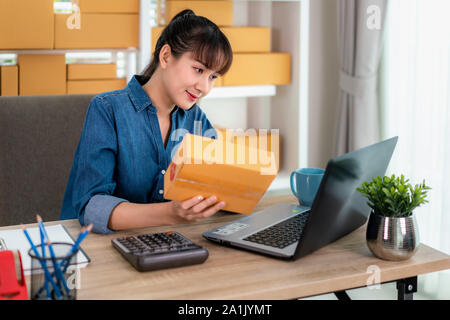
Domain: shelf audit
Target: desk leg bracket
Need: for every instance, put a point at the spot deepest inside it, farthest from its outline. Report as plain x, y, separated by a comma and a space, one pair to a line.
342, 295
406, 288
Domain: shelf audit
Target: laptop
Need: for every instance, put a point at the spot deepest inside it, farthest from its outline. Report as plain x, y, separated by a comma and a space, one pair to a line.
290, 231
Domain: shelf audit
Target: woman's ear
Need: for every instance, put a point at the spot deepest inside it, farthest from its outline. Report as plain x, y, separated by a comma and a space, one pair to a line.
164, 56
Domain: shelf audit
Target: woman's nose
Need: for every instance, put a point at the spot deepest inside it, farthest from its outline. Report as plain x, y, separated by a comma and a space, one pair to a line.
203, 85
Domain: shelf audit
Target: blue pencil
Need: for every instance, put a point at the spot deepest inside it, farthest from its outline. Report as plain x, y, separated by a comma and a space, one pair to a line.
47, 289
44, 267
56, 265
84, 232
58, 271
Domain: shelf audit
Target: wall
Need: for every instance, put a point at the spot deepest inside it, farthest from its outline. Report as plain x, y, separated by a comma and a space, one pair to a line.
324, 81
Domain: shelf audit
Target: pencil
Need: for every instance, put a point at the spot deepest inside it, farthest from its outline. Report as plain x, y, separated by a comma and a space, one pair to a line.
44, 267
83, 233
42, 233
57, 266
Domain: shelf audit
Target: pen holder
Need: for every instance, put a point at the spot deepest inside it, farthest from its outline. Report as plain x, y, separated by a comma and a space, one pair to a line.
51, 277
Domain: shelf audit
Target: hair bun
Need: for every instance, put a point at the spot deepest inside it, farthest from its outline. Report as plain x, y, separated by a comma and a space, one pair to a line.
185, 12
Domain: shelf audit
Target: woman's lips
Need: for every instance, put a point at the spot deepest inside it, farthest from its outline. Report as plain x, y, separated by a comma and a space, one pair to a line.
191, 96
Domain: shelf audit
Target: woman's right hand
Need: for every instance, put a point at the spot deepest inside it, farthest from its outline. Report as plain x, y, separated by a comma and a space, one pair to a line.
194, 209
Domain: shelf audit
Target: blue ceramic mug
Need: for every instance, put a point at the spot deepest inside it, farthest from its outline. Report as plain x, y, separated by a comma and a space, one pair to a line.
304, 184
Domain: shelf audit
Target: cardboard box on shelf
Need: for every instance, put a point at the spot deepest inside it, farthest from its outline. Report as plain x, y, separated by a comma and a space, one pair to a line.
9, 81
259, 69
26, 24
242, 39
231, 172
42, 74
156, 32
94, 86
218, 82
218, 11
109, 6
248, 39
98, 31
86, 71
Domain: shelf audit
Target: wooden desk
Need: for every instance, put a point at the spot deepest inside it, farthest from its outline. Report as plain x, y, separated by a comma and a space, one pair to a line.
236, 274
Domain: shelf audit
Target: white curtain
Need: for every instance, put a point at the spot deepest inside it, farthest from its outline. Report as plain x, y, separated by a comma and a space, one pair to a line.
415, 101
360, 38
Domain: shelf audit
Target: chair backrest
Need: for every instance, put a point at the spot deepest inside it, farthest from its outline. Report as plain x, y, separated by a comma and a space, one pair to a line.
38, 139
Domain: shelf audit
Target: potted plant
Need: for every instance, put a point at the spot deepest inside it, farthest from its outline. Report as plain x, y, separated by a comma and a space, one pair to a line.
392, 231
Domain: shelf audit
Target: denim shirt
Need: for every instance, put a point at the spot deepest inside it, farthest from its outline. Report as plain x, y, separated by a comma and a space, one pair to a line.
121, 154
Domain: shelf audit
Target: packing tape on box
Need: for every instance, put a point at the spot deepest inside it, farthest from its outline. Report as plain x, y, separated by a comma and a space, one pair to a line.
221, 189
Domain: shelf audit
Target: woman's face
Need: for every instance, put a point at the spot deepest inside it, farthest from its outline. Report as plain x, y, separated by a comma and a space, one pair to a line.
187, 80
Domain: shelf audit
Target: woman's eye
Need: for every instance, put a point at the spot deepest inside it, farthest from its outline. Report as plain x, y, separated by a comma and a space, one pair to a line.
199, 70
213, 77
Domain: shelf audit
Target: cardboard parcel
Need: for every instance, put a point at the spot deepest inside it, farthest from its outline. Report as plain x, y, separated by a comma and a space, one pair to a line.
237, 173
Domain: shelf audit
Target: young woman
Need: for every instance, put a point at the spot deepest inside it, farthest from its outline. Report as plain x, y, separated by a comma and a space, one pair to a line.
117, 177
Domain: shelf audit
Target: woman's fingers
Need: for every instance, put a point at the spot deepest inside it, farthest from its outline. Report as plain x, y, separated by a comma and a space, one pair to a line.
212, 210
199, 208
196, 208
209, 211
188, 204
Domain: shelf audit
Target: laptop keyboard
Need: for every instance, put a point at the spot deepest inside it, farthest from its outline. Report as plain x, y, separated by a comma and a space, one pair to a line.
282, 234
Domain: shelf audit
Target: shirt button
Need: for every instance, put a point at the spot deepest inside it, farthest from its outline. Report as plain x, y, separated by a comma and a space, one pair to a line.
163, 171
161, 191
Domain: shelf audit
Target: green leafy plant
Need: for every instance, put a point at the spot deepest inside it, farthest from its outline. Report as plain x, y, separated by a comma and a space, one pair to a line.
393, 196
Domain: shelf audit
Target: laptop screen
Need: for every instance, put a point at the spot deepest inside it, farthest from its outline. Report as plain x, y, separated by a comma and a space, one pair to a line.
338, 207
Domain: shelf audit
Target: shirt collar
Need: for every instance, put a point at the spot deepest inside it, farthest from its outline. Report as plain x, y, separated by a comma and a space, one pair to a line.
140, 98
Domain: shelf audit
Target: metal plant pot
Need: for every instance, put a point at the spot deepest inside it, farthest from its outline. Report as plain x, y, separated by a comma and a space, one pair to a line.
392, 238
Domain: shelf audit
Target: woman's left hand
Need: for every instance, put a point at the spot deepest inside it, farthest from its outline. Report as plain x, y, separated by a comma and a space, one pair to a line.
195, 208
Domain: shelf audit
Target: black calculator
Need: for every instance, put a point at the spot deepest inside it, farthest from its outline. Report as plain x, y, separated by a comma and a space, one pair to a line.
157, 251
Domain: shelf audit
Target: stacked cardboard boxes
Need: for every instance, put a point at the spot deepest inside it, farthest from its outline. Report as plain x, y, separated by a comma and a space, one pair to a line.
97, 31
31, 24
9, 81
92, 78
253, 62
109, 6
42, 74
242, 39
26, 24
218, 11
102, 24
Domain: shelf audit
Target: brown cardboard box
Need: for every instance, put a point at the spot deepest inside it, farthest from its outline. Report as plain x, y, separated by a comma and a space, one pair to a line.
109, 6
9, 81
94, 86
26, 24
204, 166
259, 69
218, 82
98, 31
156, 32
42, 74
248, 39
242, 39
219, 12
265, 139
86, 71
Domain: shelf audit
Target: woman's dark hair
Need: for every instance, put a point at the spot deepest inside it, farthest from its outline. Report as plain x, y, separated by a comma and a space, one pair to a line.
188, 32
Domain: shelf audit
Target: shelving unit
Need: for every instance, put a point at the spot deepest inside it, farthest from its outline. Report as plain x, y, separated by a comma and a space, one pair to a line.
242, 92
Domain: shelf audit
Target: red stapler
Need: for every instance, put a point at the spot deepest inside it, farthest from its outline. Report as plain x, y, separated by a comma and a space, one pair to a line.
12, 280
